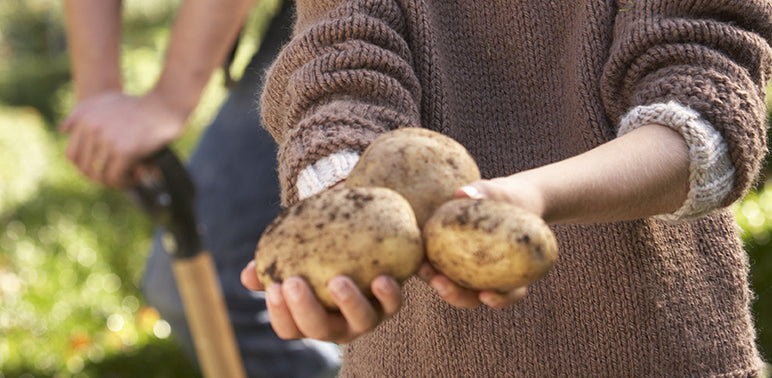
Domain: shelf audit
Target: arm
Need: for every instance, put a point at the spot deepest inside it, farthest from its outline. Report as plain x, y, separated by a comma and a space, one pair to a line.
111, 132
201, 39
645, 172
346, 77
712, 63
93, 37
712, 57
640, 174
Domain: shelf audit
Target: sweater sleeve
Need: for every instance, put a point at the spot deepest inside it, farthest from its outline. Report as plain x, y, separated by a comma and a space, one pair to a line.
344, 78
711, 173
713, 57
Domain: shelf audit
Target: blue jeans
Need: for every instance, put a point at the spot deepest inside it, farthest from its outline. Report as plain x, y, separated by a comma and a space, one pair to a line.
237, 195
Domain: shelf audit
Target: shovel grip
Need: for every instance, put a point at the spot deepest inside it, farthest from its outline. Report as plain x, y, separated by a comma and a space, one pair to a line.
207, 317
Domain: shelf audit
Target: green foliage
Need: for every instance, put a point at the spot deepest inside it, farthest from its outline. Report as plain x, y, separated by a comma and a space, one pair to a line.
754, 215
72, 254
71, 259
33, 59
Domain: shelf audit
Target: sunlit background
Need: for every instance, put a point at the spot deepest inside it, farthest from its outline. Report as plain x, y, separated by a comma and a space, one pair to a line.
72, 254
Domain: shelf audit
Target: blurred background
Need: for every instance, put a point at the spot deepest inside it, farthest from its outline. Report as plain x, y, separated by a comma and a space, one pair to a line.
72, 254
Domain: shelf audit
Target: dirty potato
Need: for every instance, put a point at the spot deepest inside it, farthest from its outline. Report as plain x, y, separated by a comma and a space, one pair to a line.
357, 232
489, 245
426, 167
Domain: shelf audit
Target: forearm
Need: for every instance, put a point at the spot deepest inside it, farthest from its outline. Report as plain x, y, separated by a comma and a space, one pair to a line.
716, 66
201, 38
93, 38
640, 174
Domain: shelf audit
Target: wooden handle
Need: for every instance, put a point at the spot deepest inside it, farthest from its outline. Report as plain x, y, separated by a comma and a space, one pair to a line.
213, 336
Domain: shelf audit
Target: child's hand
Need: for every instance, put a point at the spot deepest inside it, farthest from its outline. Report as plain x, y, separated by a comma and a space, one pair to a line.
296, 313
466, 298
507, 189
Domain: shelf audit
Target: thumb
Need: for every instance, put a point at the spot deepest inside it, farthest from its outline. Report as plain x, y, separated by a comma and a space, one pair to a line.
477, 190
249, 277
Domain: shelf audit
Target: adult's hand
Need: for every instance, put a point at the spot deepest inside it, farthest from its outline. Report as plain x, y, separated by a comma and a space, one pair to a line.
110, 133
295, 312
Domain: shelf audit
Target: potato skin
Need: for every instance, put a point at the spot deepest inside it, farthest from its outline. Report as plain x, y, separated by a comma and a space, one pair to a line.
357, 232
424, 166
489, 245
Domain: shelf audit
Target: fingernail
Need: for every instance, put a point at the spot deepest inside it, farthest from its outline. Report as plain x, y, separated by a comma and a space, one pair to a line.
442, 289
340, 288
292, 289
274, 297
384, 286
425, 273
491, 300
472, 192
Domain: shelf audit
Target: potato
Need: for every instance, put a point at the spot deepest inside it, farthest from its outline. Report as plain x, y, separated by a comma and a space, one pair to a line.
357, 232
489, 245
424, 166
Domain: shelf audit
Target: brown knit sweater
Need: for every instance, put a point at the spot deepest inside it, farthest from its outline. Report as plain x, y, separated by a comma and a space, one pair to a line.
523, 84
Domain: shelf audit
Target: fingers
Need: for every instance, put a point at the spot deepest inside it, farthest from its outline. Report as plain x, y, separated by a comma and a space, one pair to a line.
500, 300
74, 147
461, 297
387, 291
296, 313
85, 149
311, 319
281, 318
67, 124
118, 172
249, 277
92, 159
455, 295
112, 132
360, 318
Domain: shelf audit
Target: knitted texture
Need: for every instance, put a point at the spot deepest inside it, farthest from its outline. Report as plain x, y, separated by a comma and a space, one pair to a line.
711, 56
711, 174
325, 173
520, 85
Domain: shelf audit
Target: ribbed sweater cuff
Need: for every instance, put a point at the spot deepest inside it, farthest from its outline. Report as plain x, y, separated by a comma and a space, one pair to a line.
711, 173
325, 173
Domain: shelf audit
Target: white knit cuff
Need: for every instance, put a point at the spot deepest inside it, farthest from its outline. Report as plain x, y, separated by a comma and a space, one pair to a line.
325, 173
711, 173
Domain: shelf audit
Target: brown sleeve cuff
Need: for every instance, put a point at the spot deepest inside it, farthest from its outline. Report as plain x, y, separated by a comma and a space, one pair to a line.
717, 66
344, 78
